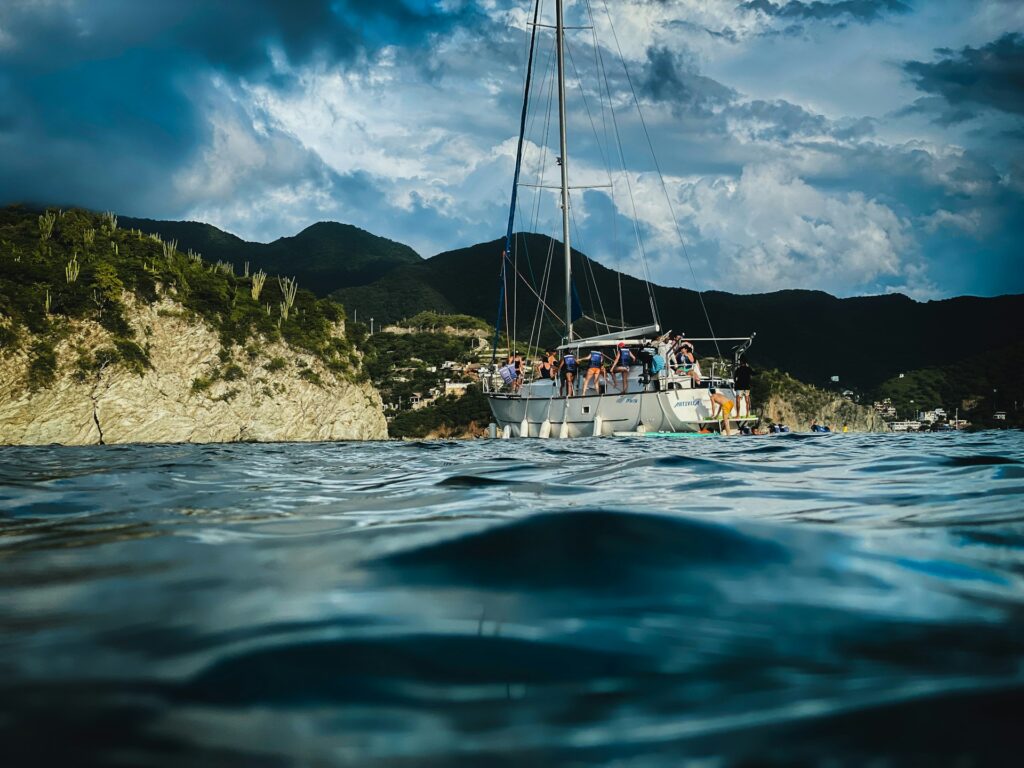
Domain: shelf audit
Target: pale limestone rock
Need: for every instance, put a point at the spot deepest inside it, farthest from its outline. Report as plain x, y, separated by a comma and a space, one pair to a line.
834, 412
118, 406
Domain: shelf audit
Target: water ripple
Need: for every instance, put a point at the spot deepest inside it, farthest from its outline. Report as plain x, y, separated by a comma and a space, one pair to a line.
787, 600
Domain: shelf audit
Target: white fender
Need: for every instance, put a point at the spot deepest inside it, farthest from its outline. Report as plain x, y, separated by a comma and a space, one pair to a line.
563, 432
524, 428
598, 426
506, 432
545, 429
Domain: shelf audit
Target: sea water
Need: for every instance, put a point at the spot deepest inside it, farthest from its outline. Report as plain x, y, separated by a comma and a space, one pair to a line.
793, 599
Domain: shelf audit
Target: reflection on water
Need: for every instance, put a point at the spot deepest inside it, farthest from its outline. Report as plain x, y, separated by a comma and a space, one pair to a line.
781, 600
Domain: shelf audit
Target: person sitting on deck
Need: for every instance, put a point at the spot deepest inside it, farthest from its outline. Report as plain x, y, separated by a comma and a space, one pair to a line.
688, 362
723, 409
567, 373
595, 372
623, 359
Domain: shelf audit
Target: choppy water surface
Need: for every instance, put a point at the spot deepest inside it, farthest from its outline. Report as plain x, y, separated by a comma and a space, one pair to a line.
779, 600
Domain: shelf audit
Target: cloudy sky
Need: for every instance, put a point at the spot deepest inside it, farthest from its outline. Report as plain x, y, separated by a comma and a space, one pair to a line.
854, 146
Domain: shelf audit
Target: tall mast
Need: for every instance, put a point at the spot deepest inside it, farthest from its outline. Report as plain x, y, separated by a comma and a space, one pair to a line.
560, 45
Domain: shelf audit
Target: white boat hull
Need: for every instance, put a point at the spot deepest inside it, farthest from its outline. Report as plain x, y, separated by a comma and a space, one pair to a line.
538, 410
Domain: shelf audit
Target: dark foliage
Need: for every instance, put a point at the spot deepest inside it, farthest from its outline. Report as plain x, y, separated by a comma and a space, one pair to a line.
453, 413
37, 261
977, 386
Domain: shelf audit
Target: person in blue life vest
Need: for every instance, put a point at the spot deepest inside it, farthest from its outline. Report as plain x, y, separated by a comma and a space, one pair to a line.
595, 372
567, 373
508, 375
623, 360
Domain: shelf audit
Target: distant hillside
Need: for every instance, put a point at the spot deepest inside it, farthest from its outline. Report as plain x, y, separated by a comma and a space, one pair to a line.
978, 386
323, 257
810, 334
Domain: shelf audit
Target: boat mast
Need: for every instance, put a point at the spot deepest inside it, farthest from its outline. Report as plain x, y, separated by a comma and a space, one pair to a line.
560, 45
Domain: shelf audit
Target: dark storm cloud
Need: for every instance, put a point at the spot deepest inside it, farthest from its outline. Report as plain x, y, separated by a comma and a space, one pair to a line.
674, 78
857, 10
671, 77
963, 81
234, 36
102, 101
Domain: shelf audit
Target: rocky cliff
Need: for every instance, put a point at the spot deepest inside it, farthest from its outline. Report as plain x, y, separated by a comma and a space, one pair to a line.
781, 399
191, 388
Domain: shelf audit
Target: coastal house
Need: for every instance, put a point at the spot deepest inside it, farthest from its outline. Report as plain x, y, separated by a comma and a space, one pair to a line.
457, 388
885, 408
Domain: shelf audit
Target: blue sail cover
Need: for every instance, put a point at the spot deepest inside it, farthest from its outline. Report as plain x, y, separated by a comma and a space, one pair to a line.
577, 306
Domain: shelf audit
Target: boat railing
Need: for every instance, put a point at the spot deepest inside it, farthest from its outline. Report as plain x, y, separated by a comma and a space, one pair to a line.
670, 377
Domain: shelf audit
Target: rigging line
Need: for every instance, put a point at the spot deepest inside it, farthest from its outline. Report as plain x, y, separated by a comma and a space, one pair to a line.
529, 264
550, 79
515, 181
636, 220
604, 157
586, 104
515, 293
586, 281
599, 68
588, 271
543, 289
543, 143
668, 198
595, 321
556, 328
533, 290
537, 326
632, 201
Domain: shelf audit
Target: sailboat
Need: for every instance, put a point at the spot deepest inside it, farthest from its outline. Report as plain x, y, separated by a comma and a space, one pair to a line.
657, 395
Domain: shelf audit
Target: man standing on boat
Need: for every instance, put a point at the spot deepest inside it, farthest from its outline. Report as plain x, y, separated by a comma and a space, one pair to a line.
567, 373
623, 359
595, 372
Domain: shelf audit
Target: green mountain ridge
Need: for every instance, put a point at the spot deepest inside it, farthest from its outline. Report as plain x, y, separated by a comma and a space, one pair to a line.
813, 335
323, 257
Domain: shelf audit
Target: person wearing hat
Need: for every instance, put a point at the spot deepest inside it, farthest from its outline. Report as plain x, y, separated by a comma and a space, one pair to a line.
688, 361
623, 359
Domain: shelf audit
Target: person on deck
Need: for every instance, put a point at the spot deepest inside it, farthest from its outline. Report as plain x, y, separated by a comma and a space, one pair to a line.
567, 373
741, 379
688, 361
672, 356
546, 366
520, 371
623, 360
721, 408
595, 372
